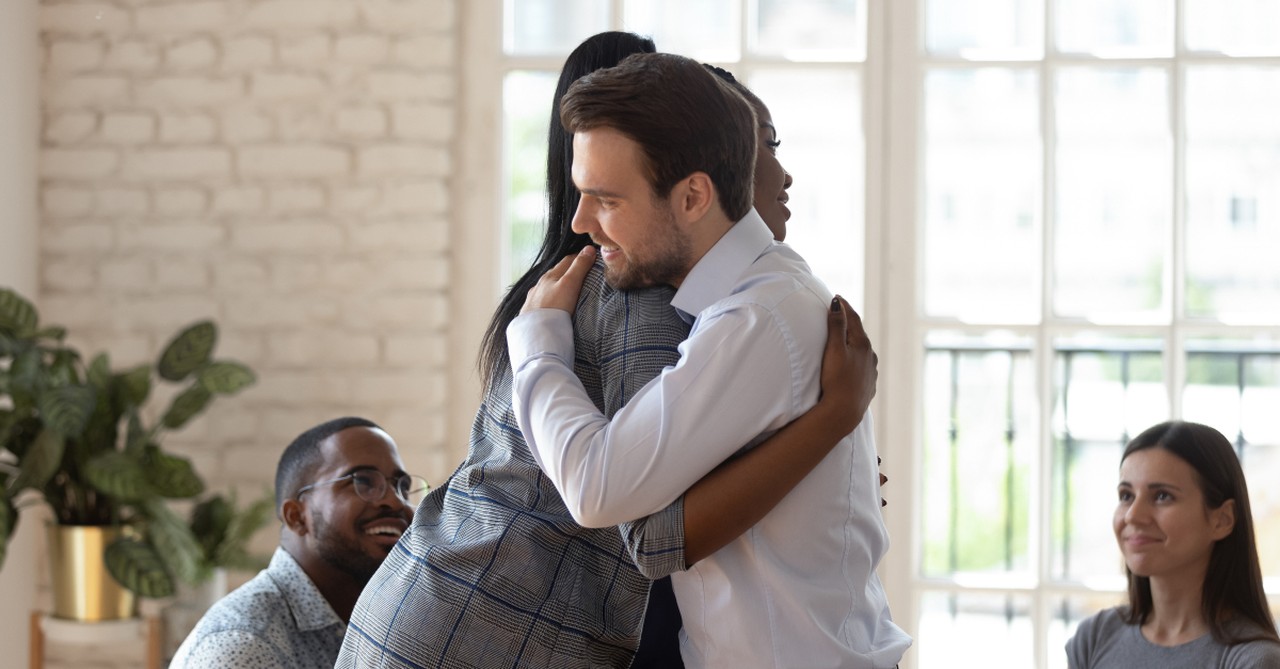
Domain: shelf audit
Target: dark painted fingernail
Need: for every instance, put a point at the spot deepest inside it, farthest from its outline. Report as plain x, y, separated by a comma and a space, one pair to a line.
835, 304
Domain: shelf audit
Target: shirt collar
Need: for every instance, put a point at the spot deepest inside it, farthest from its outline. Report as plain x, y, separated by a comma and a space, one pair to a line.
713, 276
298, 590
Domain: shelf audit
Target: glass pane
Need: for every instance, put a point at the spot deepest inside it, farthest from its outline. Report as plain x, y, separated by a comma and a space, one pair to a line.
979, 456
1236, 27
1115, 28
982, 195
995, 628
818, 115
1233, 193
1234, 386
551, 26
1261, 462
985, 29
1106, 390
526, 110
833, 30
1114, 182
1066, 613
707, 30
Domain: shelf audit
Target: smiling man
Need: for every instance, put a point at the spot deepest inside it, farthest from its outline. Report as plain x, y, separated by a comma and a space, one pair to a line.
664, 154
344, 500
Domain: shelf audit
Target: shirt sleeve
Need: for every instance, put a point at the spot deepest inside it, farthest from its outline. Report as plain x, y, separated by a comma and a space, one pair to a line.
1253, 654
1080, 646
234, 649
656, 542
673, 431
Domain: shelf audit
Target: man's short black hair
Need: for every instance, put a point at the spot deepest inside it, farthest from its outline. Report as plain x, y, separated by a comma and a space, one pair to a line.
302, 456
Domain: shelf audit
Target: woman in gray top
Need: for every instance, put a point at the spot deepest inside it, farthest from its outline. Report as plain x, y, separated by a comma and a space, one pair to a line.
1185, 528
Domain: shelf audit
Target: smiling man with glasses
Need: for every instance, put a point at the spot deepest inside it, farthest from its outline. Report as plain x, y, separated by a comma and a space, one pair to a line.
344, 500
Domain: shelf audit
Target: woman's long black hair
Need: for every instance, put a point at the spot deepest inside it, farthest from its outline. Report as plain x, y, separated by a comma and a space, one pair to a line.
598, 51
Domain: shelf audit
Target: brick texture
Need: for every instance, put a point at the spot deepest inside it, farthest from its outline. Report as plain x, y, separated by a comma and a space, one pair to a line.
280, 166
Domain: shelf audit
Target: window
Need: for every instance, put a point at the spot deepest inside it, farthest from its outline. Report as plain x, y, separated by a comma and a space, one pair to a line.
1067, 212
1091, 207
806, 60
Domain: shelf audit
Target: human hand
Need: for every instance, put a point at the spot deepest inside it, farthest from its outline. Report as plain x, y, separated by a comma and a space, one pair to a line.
848, 366
559, 287
883, 480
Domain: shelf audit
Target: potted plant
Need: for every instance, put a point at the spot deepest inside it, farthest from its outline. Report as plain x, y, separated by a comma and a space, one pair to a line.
223, 530
75, 433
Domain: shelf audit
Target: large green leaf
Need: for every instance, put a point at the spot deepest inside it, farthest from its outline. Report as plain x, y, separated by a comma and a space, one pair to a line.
24, 373
226, 378
136, 439
118, 475
99, 372
22, 432
64, 368
56, 332
67, 408
186, 405
234, 549
189, 351
135, 385
8, 425
171, 476
41, 461
209, 522
174, 541
8, 520
9, 344
17, 315
138, 567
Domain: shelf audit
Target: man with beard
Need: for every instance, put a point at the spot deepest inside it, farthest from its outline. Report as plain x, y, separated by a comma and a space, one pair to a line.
344, 500
663, 154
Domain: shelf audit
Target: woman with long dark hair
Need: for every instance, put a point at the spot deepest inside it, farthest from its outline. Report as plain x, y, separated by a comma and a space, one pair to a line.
1185, 528
494, 571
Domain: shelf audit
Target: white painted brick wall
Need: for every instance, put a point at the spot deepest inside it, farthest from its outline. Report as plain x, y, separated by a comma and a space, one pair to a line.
281, 166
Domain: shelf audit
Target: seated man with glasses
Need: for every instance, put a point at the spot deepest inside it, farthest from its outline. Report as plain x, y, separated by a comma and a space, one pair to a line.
344, 500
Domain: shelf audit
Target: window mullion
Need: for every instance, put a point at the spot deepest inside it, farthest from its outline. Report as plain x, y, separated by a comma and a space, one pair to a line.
617, 14
1175, 347
1040, 610
897, 327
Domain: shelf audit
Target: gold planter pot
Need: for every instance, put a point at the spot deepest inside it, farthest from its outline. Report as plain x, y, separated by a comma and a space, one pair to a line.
83, 589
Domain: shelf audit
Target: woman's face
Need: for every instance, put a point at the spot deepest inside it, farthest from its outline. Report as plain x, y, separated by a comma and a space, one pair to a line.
1161, 523
771, 180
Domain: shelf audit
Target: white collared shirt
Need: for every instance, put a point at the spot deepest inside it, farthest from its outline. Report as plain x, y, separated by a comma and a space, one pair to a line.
799, 589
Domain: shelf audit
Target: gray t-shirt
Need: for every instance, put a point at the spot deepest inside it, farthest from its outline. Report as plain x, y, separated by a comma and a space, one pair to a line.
1106, 641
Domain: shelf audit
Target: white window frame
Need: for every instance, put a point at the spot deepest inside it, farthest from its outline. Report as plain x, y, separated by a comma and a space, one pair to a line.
892, 79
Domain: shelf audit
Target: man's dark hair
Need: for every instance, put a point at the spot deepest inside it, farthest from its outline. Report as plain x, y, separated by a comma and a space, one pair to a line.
302, 456
598, 51
684, 119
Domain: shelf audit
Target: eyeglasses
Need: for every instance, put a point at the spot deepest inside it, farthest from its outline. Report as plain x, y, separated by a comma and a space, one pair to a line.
371, 485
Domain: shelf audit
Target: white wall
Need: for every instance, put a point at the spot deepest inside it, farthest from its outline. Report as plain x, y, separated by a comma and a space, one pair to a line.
19, 128
286, 167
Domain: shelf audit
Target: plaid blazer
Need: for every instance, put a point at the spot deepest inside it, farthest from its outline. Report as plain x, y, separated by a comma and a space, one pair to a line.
493, 571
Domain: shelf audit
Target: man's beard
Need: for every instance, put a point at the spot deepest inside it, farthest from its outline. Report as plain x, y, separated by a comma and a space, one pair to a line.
669, 261
342, 552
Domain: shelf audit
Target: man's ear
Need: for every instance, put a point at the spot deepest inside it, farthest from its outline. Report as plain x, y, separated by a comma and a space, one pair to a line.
1223, 519
694, 196
295, 517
